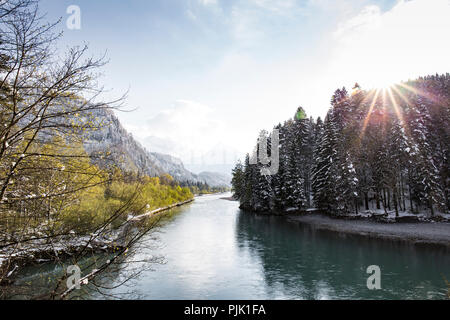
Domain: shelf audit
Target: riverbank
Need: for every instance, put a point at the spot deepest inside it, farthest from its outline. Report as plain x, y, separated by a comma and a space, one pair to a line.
422, 233
228, 198
37, 251
159, 210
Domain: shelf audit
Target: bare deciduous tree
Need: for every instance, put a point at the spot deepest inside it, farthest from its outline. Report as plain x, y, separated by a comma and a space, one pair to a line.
48, 101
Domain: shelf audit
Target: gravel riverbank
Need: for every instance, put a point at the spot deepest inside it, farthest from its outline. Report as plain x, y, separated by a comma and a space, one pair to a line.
417, 233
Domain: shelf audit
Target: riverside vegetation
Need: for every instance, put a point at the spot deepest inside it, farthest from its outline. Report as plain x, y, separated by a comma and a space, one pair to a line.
57, 202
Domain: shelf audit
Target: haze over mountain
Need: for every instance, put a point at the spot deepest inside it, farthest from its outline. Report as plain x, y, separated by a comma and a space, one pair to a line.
130, 155
220, 158
201, 147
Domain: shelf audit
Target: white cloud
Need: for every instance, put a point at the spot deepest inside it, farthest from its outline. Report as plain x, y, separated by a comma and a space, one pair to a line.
369, 17
187, 123
207, 2
280, 6
257, 80
191, 15
405, 42
256, 21
187, 130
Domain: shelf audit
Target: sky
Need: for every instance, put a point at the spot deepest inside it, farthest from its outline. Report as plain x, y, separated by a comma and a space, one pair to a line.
205, 76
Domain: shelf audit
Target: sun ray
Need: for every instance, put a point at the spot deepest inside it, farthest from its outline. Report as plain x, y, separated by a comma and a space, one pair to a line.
384, 111
403, 123
396, 107
401, 95
370, 95
419, 92
367, 118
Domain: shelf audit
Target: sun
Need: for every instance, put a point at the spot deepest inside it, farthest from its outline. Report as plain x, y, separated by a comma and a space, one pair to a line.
382, 82
390, 91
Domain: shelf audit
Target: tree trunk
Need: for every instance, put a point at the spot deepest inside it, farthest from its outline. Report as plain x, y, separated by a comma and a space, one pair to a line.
402, 186
431, 206
366, 200
377, 197
395, 202
389, 199
410, 198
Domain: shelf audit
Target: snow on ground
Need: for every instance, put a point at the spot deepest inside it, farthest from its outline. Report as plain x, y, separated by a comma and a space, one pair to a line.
431, 233
391, 216
36, 249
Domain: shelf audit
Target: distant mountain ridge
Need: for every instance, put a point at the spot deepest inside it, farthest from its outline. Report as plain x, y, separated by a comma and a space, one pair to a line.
130, 155
215, 179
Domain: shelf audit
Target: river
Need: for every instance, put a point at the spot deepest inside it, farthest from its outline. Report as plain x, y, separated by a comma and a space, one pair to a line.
213, 250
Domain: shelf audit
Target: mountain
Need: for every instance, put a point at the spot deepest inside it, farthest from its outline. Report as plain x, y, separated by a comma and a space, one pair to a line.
223, 169
220, 158
215, 179
174, 167
125, 151
130, 155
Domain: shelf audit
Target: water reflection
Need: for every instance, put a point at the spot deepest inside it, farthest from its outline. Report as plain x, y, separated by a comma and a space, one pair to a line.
213, 250
302, 263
